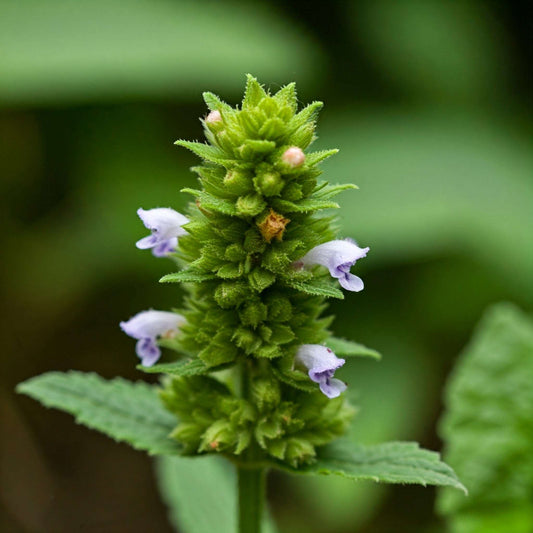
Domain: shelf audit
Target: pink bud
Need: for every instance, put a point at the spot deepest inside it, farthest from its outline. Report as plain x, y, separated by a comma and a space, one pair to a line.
213, 117
293, 156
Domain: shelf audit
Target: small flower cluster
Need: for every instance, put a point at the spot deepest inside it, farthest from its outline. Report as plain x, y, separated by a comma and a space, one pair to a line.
250, 252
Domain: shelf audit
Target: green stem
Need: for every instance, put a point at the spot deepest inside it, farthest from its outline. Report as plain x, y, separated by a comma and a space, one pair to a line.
251, 479
251, 499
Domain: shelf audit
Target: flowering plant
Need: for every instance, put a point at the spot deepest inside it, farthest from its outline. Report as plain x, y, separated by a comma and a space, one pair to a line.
251, 375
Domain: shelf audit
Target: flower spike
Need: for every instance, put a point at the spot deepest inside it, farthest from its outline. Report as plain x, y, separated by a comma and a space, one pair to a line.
165, 225
321, 363
338, 256
146, 327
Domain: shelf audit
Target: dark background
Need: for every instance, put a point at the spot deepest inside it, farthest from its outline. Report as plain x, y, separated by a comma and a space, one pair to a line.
430, 104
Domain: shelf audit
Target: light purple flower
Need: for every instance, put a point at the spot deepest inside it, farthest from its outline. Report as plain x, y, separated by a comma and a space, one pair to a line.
338, 256
146, 327
321, 363
165, 225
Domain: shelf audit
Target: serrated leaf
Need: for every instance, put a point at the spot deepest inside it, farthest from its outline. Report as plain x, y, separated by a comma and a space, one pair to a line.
308, 114
183, 367
392, 462
125, 411
290, 378
316, 287
303, 206
214, 103
254, 92
205, 151
287, 95
208, 201
187, 276
348, 348
488, 425
314, 158
325, 191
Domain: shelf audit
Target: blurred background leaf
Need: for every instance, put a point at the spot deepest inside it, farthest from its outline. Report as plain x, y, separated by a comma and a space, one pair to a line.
201, 494
59, 52
487, 427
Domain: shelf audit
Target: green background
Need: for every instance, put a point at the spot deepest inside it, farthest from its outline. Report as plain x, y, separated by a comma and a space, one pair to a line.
429, 103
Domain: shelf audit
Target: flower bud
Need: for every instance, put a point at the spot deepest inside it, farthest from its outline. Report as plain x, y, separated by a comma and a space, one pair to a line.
213, 117
269, 183
213, 121
293, 156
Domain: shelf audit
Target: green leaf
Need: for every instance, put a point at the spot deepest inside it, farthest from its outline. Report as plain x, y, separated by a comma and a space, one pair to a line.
208, 201
308, 114
316, 287
287, 95
254, 92
190, 486
348, 348
205, 151
488, 425
187, 276
392, 462
314, 158
328, 191
183, 367
401, 148
303, 206
59, 52
214, 103
125, 411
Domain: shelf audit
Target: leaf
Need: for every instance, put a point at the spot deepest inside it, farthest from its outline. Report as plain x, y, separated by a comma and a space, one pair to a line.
308, 114
59, 52
208, 201
392, 462
187, 276
192, 486
314, 158
183, 367
395, 148
328, 191
488, 425
214, 103
303, 206
348, 348
125, 411
205, 151
254, 92
316, 287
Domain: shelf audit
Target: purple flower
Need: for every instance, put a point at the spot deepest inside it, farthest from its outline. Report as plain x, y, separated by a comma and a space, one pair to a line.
165, 225
338, 256
321, 363
146, 327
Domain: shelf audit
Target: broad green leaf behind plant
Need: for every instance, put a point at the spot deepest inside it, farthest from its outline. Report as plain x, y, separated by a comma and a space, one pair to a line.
488, 427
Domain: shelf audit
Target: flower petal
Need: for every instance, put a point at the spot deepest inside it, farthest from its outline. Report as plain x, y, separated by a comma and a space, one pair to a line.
165, 247
338, 257
146, 242
151, 324
317, 358
333, 387
165, 225
351, 282
334, 253
321, 363
148, 351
